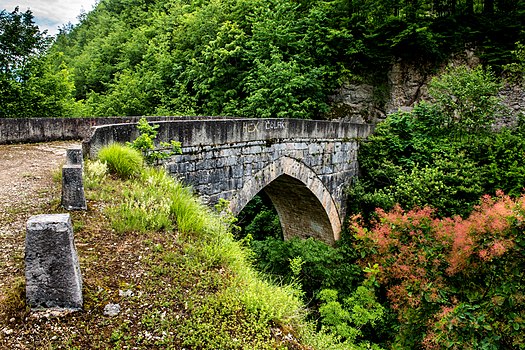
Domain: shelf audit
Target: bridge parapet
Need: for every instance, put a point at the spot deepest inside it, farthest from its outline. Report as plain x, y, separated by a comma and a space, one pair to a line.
213, 132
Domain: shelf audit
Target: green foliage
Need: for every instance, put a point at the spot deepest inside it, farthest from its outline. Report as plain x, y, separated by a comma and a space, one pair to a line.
347, 320
467, 99
311, 263
451, 186
260, 58
505, 159
229, 305
122, 160
247, 58
223, 208
259, 219
145, 143
265, 224
30, 86
438, 266
515, 71
94, 173
21, 41
445, 155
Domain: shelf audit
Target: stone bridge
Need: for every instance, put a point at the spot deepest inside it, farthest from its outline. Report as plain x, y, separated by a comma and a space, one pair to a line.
302, 165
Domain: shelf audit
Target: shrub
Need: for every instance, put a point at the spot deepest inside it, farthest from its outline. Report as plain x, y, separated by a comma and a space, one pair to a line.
121, 160
348, 319
145, 143
451, 281
468, 99
416, 159
322, 266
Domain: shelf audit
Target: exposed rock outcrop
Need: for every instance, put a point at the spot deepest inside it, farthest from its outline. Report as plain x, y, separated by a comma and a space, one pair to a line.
405, 84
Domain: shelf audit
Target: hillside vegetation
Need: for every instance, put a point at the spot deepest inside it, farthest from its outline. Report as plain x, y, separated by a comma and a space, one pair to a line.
432, 257
171, 264
251, 58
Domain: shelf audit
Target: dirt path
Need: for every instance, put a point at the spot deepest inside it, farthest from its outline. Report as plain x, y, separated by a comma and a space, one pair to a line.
26, 188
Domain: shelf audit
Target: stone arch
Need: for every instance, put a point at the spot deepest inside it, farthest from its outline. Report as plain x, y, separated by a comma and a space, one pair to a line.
305, 206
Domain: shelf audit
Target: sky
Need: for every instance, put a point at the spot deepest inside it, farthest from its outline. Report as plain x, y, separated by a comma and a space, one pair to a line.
50, 14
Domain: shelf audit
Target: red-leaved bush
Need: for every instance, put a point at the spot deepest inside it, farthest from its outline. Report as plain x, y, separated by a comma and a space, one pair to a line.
451, 281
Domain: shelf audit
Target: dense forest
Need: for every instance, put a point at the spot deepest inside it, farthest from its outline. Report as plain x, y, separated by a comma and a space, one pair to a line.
433, 251
233, 57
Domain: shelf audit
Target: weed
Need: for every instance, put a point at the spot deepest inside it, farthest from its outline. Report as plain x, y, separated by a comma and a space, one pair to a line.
94, 173
57, 174
145, 143
12, 301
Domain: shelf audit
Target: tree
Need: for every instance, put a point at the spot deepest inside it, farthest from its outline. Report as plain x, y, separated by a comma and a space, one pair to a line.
20, 42
468, 98
28, 85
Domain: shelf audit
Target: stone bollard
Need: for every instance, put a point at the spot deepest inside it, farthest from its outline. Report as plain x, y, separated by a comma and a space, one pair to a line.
53, 278
73, 197
74, 156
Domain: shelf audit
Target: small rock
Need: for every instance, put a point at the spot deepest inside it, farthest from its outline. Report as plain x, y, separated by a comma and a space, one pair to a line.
125, 293
111, 310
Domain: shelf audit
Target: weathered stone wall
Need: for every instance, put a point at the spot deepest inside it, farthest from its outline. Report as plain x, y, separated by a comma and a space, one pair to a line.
29, 130
216, 131
324, 165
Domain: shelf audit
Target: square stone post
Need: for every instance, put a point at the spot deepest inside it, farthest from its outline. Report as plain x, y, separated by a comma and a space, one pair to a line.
53, 278
73, 197
74, 156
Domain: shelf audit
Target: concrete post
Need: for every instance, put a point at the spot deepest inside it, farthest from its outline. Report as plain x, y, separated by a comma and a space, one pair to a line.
74, 156
53, 278
73, 197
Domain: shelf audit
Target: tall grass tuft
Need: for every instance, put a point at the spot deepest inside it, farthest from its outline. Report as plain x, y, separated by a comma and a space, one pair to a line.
121, 160
12, 300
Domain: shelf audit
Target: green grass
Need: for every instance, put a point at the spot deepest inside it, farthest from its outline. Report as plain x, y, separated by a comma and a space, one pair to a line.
227, 303
122, 160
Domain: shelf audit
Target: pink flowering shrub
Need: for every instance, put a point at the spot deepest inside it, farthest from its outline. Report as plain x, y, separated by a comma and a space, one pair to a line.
453, 283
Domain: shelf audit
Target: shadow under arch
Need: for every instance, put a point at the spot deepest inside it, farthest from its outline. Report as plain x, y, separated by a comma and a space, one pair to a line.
304, 205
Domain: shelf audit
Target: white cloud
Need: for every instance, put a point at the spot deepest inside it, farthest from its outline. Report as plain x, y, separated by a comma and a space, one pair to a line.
51, 14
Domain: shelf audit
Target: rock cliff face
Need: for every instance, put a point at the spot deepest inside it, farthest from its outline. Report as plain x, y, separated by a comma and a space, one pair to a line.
404, 85
514, 97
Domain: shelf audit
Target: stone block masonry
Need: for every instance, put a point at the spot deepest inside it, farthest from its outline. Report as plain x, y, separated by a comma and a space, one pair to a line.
53, 278
74, 156
28, 130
